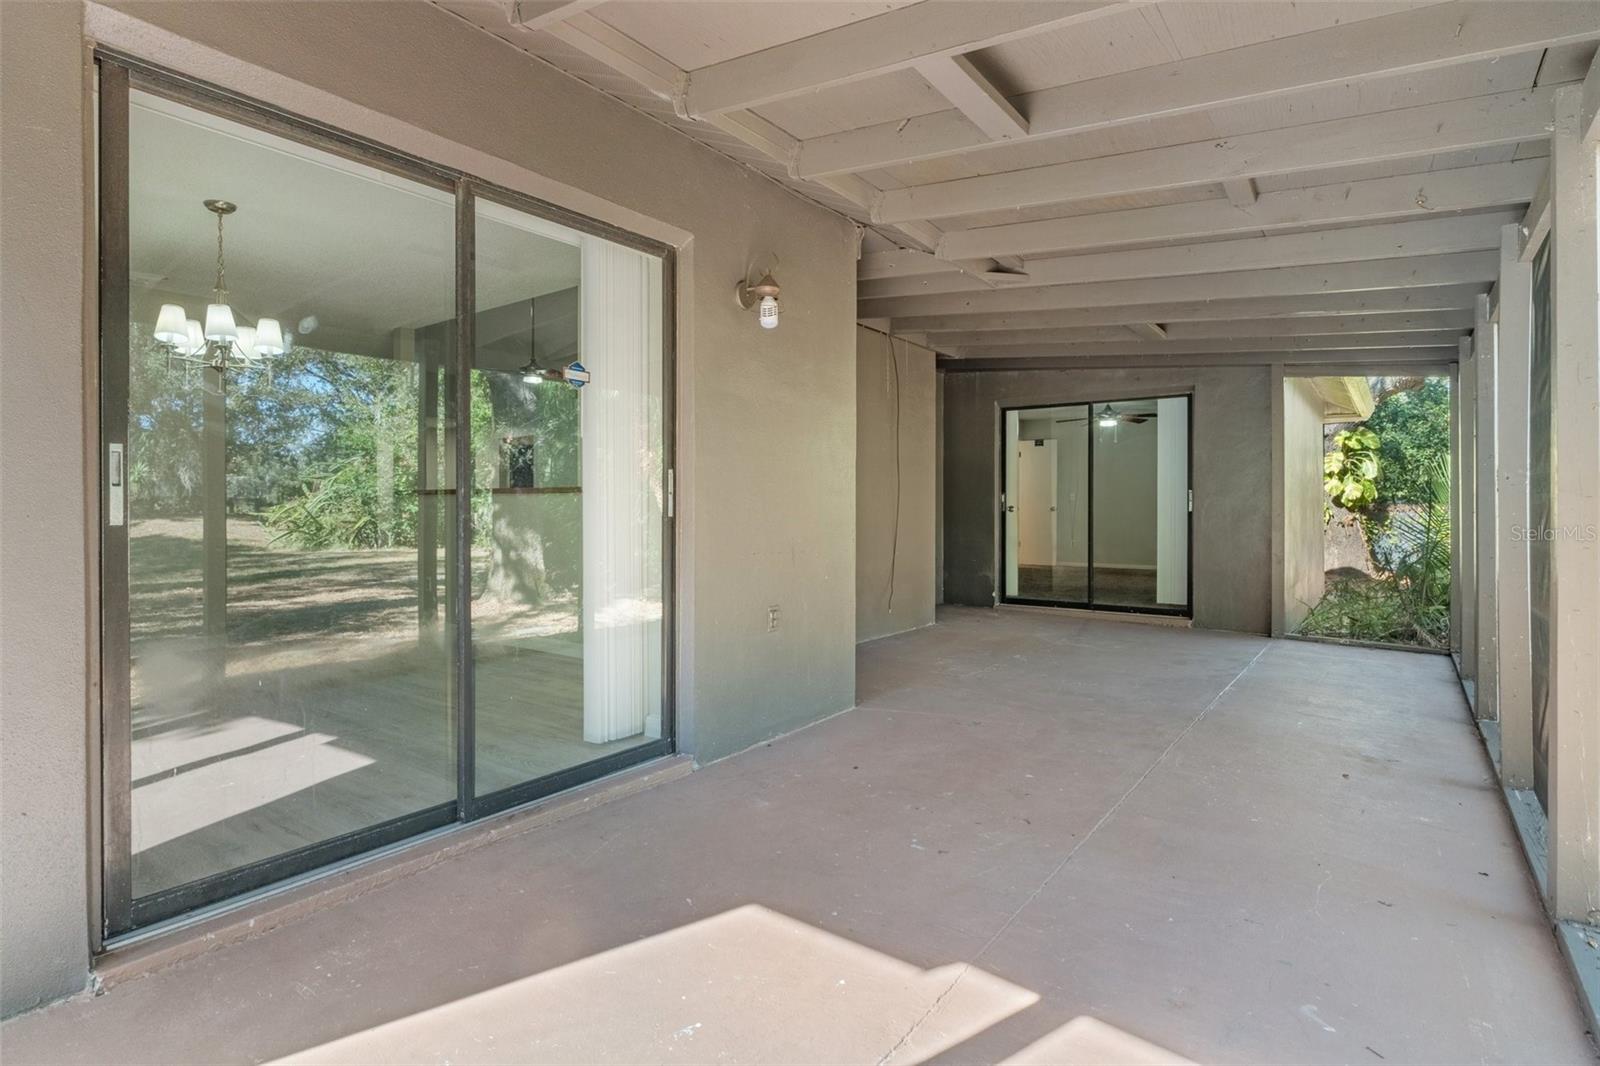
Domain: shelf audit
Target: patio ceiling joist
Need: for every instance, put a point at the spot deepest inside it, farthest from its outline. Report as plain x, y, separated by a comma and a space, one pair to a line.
1456, 125
1066, 342
1460, 268
1384, 303
1407, 42
1133, 344
883, 44
1352, 202
1325, 325
1329, 362
1289, 177
542, 14
604, 44
1393, 240
956, 328
977, 99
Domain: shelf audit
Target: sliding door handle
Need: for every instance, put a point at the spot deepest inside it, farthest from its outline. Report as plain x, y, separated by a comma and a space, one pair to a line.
116, 485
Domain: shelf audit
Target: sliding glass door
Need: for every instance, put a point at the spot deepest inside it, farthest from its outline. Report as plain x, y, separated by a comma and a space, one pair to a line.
1095, 505
313, 644
567, 491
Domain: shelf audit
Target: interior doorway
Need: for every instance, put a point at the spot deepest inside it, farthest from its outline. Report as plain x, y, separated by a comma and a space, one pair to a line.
1096, 505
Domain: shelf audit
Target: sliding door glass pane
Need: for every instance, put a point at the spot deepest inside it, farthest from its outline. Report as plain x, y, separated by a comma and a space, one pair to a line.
1047, 512
567, 497
1140, 510
289, 658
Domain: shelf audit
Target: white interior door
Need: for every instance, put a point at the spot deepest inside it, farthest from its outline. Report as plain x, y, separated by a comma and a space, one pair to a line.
1009, 500
1036, 502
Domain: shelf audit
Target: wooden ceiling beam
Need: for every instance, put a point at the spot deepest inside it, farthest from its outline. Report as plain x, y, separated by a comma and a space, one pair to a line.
882, 44
974, 95
1407, 42
1390, 240
542, 14
1314, 308
1416, 360
1457, 125
1070, 341
1351, 202
1460, 268
601, 42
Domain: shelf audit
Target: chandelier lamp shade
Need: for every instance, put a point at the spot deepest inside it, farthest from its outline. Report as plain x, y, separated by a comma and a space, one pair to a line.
220, 343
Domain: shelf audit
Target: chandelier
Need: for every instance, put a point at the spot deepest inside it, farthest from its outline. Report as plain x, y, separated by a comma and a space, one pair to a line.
221, 344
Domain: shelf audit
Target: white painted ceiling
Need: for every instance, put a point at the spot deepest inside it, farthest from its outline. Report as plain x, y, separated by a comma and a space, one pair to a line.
315, 235
870, 79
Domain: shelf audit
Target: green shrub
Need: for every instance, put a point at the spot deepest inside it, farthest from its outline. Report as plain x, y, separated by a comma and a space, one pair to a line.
1350, 471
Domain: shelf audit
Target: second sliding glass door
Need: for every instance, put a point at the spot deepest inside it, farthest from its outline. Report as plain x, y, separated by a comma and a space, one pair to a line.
1095, 505
314, 643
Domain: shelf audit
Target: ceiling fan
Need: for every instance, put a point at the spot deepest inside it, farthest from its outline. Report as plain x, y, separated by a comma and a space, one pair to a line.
1108, 418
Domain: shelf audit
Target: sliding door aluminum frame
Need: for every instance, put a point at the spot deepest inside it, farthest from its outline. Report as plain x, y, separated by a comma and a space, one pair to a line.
1089, 604
118, 912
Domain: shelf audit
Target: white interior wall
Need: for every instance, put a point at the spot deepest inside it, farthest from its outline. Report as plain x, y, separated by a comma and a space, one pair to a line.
1124, 490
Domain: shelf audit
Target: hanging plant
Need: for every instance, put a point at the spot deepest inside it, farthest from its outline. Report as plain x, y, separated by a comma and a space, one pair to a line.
1350, 471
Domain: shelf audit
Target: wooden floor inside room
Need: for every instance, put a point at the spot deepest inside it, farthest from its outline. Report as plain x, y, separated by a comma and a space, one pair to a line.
298, 756
1069, 583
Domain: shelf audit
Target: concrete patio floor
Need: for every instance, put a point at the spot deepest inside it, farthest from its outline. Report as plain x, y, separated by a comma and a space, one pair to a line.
1038, 839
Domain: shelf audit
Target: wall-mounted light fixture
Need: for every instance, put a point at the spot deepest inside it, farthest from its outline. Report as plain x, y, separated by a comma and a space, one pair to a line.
762, 297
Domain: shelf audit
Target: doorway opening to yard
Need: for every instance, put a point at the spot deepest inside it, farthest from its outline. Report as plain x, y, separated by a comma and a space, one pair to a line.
1095, 506
1368, 509
383, 524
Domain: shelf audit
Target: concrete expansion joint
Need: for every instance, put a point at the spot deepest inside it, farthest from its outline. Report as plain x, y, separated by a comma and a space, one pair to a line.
933, 1008
967, 966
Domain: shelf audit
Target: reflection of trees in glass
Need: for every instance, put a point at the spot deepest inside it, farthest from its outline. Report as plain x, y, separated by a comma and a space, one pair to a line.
535, 433
352, 445
163, 433
323, 449
323, 452
530, 442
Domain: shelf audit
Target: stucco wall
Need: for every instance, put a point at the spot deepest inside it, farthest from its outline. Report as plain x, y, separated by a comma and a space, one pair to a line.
893, 555
1232, 476
766, 464
43, 656
1302, 500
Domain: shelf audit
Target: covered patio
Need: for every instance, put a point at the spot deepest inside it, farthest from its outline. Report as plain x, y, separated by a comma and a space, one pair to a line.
1038, 838
881, 645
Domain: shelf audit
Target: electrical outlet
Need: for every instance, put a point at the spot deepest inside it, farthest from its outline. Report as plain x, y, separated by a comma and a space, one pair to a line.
772, 619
